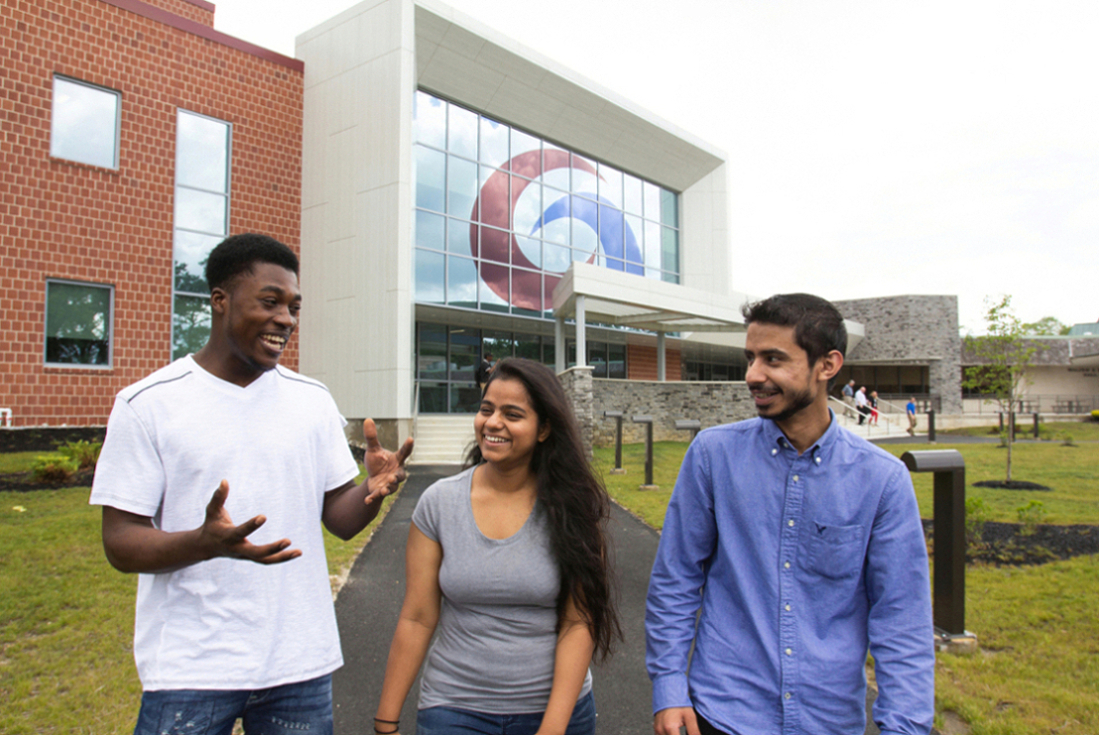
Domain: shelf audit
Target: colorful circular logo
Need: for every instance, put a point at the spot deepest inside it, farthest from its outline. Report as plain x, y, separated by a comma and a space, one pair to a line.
495, 221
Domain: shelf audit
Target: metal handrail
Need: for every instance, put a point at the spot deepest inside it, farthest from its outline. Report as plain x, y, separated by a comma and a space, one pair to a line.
847, 409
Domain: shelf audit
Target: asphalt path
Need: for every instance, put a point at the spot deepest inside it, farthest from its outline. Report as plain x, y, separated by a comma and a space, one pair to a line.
368, 605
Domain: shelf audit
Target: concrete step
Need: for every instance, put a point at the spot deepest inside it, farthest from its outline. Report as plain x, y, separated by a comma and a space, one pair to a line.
442, 439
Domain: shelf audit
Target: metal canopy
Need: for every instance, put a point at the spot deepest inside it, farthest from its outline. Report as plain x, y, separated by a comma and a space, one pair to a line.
623, 299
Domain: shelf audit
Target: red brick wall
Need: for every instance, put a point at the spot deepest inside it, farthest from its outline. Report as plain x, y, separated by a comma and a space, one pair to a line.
196, 10
642, 363
65, 220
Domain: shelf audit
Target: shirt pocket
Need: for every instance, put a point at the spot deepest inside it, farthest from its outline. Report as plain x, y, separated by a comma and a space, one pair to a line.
835, 552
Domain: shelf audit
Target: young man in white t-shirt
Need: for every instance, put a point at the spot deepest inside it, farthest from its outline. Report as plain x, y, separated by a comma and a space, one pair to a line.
235, 620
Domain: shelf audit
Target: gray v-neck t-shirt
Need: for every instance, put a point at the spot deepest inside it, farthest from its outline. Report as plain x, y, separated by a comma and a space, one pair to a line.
495, 643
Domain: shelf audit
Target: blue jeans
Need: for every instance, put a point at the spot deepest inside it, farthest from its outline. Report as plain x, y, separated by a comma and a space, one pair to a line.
300, 708
447, 721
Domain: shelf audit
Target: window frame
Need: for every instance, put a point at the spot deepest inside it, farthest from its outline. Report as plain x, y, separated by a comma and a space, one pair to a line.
115, 164
110, 326
227, 195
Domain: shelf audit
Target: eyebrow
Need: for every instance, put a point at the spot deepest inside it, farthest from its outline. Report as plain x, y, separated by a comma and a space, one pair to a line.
279, 291
506, 406
768, 353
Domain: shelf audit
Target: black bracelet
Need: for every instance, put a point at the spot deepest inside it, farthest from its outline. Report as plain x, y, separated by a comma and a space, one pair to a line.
395, 723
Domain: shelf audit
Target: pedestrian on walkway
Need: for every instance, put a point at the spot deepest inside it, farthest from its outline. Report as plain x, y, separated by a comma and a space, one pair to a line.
910, 409
509, 561
873, 408
807, 541
235, 621
862, 404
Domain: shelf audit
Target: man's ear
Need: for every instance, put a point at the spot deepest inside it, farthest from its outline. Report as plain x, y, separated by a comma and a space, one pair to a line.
219, 299
829, 365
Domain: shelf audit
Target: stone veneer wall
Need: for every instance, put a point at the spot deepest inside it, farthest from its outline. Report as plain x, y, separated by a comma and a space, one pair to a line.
712, 403
913, 330
577, 382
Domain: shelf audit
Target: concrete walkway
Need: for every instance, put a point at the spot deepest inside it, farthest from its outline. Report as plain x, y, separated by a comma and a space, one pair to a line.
369, 603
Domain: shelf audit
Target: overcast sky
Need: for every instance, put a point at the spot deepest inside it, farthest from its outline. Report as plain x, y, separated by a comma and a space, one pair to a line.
875, 148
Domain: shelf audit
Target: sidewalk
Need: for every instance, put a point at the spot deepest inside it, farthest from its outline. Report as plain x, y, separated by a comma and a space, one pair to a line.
369, 603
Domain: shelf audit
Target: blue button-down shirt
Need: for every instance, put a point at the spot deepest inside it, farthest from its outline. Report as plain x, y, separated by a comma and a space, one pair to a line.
807, 561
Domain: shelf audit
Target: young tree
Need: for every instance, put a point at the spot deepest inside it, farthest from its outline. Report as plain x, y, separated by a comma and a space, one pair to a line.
1002, 357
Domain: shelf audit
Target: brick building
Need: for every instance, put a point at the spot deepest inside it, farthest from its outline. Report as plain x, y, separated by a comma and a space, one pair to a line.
135, 137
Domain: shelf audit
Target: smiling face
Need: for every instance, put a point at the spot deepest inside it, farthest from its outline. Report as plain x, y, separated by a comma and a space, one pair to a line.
258, 311
507, 426
780, 378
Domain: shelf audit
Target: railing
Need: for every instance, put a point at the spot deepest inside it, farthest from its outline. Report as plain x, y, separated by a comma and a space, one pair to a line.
851, 413
1062, 403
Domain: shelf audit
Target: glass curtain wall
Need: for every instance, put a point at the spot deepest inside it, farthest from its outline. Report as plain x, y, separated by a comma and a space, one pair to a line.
201, 222
501, 214
447, 358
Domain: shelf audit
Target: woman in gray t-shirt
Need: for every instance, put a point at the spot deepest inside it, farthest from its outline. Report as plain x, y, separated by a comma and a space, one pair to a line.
507, 562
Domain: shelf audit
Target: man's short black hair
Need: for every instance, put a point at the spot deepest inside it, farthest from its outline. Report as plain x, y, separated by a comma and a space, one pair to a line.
818, 325
236, 255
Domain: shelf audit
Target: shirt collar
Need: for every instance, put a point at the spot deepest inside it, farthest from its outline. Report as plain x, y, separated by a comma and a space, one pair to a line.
776, 441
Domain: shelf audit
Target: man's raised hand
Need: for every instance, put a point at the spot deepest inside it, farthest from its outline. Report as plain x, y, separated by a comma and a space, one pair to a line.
385, 468
219, 537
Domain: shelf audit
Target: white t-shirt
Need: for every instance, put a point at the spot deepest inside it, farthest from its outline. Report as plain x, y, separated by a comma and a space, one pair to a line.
279, 442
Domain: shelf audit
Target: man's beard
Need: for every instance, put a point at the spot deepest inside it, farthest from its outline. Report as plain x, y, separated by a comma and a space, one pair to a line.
799, 401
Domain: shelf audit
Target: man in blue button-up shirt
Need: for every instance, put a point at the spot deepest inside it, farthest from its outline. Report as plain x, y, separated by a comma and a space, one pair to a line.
802, 546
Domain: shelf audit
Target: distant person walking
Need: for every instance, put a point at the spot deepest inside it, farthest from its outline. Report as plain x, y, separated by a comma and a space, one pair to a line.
862, 404
910, 409
484, 370
873, 408
849, 393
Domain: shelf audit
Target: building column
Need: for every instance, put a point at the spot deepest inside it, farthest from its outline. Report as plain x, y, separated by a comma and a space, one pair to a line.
559, 355
581, 336
661, 363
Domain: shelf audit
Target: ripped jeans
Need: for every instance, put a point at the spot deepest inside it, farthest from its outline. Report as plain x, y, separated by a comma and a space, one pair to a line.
290, 709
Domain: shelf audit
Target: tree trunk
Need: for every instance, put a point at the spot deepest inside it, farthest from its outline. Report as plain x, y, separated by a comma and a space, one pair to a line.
1010, 440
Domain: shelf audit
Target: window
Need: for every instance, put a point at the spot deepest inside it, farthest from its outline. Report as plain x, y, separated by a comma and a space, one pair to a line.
84, 123
78, 324
501, 214
201, 222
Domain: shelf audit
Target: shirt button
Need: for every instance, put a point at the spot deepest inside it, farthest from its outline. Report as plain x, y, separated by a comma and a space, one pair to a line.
787, 607
788, 695
790, 523
796, 478
774, 452
789, 652
786, 564
818, 460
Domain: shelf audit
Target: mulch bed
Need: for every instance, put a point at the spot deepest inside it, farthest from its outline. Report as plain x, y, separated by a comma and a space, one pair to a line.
1012, 485
19, 482
1010, 544
47, 438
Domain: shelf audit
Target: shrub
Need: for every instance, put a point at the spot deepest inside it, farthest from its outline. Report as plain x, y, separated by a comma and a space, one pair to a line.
1067, 439
84, 453
1095, 415
1030, 515
53, 468
976, 515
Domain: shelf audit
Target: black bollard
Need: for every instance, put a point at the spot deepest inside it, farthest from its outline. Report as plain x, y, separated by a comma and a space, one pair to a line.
648, 421
617, 416
1035, 424
692, 425
931, 425
949, 518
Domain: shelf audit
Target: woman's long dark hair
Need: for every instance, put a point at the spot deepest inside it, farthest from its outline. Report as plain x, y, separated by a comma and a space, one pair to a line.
576, 503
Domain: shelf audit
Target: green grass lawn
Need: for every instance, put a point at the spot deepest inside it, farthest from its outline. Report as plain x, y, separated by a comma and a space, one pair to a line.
66, 617
1038, 668
1051, 431
1071, 472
